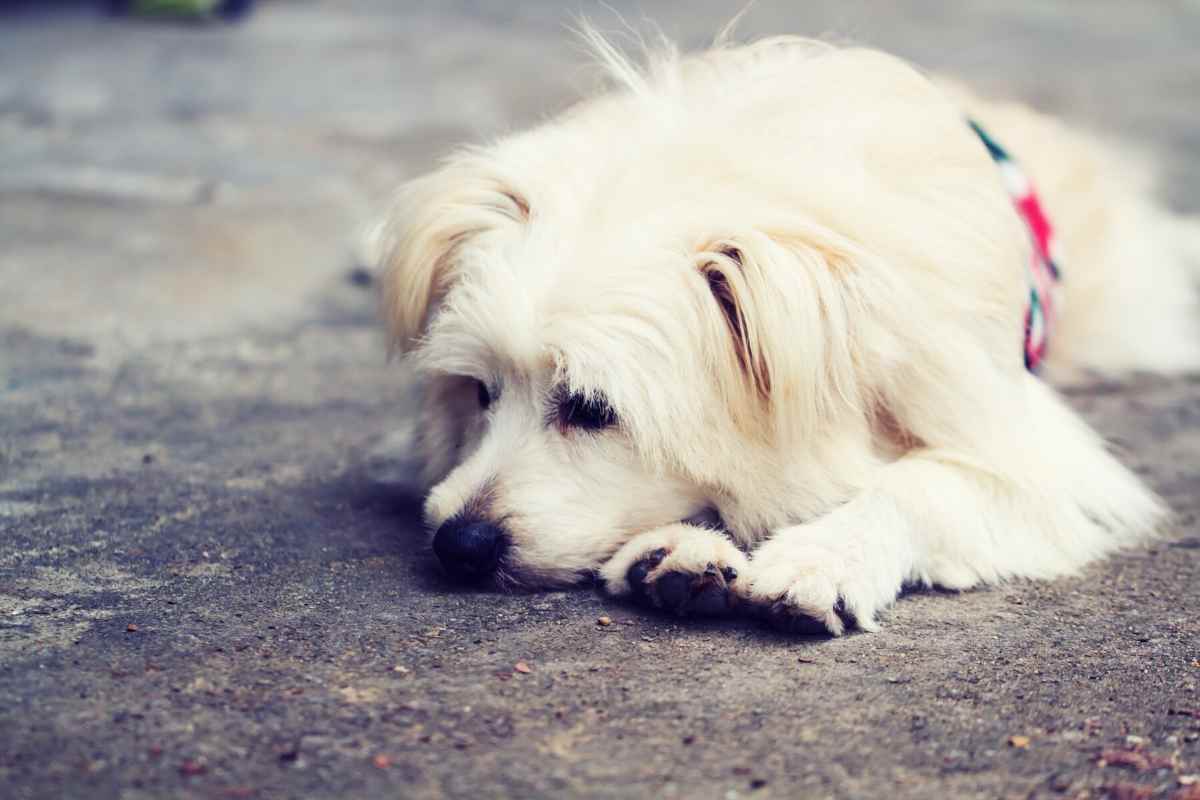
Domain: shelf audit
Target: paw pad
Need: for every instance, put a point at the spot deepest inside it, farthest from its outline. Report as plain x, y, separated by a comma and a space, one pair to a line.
705, 594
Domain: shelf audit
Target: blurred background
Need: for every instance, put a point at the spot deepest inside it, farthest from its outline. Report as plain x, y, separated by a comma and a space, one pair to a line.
210, 585
163, 179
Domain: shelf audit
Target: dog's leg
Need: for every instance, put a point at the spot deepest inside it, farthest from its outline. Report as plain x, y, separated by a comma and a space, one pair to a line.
840, 570
681, 568
1041, 501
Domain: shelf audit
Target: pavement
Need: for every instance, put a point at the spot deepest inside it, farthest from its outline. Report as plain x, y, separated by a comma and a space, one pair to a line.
210, 584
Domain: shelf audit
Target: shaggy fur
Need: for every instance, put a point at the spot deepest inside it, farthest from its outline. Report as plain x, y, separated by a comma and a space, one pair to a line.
792, 272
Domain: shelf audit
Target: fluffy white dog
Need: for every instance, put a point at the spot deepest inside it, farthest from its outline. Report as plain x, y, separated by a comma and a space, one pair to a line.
784, 283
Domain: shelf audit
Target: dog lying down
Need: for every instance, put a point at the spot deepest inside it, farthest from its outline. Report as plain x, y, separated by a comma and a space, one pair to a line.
745, 332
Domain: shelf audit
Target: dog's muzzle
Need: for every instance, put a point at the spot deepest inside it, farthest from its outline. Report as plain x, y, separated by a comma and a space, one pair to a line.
469, 549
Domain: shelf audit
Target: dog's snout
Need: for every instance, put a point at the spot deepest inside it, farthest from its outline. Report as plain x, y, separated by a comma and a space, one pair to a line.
469, 549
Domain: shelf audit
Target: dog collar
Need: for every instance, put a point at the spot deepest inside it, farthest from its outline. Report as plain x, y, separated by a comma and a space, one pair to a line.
1044, 274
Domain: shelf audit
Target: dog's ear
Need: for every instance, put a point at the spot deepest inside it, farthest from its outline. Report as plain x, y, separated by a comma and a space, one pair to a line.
430, 220
725, 272
788, 308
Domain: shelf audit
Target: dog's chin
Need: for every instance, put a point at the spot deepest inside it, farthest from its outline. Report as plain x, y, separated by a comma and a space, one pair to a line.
513, 576
706, 518
518, 578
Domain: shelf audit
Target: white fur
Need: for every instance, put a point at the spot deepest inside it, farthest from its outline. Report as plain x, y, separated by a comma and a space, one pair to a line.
853, 403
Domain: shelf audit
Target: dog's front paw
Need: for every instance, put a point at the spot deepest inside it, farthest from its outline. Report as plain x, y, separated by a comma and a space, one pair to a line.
679, 568
814, 590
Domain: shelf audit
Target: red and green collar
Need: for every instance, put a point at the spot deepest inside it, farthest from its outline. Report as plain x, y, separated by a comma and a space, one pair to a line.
1044, 275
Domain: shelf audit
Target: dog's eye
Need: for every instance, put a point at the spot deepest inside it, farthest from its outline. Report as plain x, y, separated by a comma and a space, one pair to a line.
591, 413
485, 397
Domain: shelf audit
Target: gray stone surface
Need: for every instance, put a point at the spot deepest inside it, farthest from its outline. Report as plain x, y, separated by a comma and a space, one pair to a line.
204, 593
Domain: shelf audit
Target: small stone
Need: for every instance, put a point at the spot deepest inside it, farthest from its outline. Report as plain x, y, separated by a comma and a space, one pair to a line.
381, 761
1189, 780
604, 621
1020, 742
522, 668
131, 628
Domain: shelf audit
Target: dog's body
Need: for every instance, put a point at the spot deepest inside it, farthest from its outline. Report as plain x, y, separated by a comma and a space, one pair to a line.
785, 282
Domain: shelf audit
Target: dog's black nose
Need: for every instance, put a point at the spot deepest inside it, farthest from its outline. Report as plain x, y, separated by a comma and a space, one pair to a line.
469, 549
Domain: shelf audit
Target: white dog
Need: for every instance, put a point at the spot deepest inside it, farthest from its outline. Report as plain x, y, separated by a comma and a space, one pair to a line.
783, 282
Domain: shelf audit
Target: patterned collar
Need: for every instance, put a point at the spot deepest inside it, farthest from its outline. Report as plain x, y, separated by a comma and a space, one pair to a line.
1044, 276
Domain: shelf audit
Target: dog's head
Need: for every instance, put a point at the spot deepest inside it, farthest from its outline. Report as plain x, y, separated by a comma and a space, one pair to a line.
646, 309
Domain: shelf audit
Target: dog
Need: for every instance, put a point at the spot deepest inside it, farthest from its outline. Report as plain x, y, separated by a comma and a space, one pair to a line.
744, 331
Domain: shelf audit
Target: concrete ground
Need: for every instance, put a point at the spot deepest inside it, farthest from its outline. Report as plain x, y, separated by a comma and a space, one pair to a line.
208, 586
